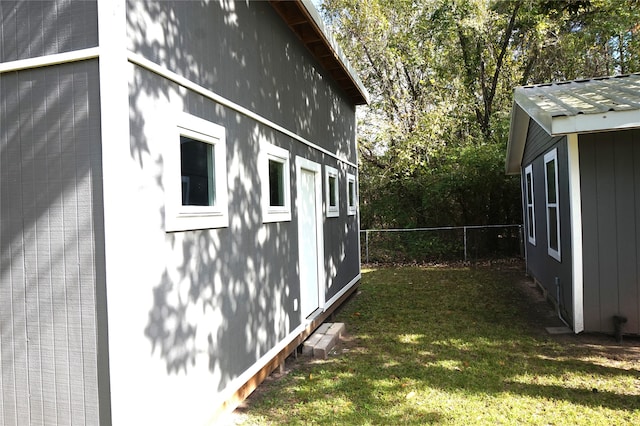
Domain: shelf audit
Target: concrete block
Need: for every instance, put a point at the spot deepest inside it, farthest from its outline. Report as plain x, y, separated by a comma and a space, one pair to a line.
310, 343
323, 328
326, 343
337, 329
558, 330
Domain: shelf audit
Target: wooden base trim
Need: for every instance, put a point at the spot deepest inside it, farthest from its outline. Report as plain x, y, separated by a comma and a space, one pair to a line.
245, 390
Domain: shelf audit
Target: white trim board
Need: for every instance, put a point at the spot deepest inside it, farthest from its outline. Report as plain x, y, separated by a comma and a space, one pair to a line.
304, 163
45, 61
183, 81
575, 209
96, 52
115, 135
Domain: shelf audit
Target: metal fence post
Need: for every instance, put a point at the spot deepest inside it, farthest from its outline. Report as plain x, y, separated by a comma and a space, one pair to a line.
366, 243
521, 239
465, 243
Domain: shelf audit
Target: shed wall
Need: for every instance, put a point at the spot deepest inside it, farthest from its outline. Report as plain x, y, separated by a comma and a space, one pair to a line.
244, 52
610, 186
30, 29
52, 259
540, 264
204, 306
538, 143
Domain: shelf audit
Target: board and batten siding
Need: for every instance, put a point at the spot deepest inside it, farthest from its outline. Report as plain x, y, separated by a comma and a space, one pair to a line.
540, 264
52, 260
30, 29
610, 187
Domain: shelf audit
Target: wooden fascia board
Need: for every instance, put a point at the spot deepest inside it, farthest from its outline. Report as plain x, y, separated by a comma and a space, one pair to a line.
517, 138
309, 29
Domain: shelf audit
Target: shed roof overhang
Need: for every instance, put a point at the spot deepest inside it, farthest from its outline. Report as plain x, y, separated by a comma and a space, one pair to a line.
304, 20
580, 106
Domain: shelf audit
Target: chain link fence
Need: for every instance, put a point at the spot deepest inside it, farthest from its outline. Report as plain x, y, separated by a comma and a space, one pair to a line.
449, 243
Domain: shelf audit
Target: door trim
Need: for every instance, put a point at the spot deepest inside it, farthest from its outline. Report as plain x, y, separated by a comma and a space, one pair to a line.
303, 163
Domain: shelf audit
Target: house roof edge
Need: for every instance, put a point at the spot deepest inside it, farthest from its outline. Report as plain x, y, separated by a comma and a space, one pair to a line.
302, 16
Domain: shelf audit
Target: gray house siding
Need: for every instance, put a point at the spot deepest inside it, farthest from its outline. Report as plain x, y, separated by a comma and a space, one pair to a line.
538, 143
244, 52
244, 278
544, 268
610, 187
197, 312
52, 260
235, 250
30, 29
236, 253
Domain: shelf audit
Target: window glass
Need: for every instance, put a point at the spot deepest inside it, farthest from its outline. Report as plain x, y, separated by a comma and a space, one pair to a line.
276, 183
531, 218
352, 194
198, 172
352, 200
553, 215
553, 225
195, 175
333, 202
551, 181
332, 195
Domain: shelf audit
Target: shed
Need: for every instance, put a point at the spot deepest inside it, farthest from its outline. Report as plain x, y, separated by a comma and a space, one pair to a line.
178, 203
576, 145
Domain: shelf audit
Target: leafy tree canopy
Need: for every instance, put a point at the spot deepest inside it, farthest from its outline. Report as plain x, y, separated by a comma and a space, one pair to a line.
441, 74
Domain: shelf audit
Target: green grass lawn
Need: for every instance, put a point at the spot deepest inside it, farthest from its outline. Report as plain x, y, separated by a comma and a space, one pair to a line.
454, 345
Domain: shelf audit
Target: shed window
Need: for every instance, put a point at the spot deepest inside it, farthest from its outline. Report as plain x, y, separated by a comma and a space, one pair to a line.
275, 180
352, 202
195, 176
332, 195
531, 216
197, 167
276, 183
553, 214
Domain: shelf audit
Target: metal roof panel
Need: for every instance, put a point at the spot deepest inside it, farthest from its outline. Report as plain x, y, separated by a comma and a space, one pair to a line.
592, 96
572, 107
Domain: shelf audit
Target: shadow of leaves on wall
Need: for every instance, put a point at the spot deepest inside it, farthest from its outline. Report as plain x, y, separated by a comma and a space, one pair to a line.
227, 296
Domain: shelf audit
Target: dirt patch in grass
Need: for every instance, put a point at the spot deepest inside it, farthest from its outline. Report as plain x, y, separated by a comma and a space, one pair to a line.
566, 373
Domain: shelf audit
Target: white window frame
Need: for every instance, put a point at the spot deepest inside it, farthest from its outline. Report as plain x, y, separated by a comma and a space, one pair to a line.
351, 186
184, 218
549, 157
530, 204
331, 211
271, 213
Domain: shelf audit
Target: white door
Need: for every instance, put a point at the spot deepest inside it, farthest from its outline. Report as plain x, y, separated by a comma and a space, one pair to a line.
309, 235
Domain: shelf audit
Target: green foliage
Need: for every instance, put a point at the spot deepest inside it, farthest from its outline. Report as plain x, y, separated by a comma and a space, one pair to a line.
441, 73
462, 184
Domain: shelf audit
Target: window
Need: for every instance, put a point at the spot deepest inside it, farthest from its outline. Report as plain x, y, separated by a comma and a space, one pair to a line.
352, 200
531, 212
195, 176
275, 178
553, 217
332, 196
197, 167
